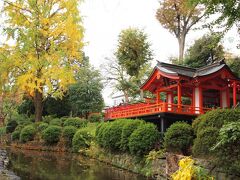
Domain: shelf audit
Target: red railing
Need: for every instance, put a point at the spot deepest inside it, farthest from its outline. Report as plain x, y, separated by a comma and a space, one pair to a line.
142, 109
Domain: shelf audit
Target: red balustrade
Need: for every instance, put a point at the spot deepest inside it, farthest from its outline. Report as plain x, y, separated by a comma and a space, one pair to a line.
145, 109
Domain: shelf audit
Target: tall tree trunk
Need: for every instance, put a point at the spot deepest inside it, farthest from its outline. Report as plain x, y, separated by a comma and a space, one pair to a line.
38, 104
181, 44
126, 96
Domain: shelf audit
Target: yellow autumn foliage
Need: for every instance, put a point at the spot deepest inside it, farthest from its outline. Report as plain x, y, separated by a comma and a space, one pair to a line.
188, 171
46, 45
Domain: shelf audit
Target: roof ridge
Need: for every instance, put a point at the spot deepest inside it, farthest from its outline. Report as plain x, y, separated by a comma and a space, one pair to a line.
211, 65
177, 66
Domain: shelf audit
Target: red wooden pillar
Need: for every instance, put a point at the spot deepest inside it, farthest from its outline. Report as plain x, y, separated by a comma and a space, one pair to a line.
157, 97
234, 94
179, 89
200, 100
193, 100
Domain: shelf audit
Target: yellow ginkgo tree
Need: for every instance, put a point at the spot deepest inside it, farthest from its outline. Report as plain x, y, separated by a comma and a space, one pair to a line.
46, 47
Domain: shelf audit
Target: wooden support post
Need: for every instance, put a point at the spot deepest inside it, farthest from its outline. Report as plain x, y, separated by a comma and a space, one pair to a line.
179, 89
157, 97
234, 94
200, 100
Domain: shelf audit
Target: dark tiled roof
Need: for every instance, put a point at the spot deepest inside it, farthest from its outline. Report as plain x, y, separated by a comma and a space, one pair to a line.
172, 69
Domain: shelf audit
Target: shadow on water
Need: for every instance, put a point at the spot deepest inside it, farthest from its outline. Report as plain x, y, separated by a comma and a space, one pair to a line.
34, 165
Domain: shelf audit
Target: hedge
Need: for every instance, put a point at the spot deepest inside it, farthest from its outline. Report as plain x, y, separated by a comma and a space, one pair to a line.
27, 133
143, 139
179, 137
42, 126
205, 140
216, 118
95, 118
76, 122
15, 136
11, 125
81, 139
51, 134
68, 133
127, 130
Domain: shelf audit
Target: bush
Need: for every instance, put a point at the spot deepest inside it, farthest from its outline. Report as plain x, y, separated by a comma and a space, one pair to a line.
112, 135
15, 135
227, 148
216, 118
100, 132
27, 133
42, 126
76, 122
81, 139
127, 130
95, 117
56, 122
11, 126
68, 132
143, 139
205, 140
178, 137
51, 134
2, 131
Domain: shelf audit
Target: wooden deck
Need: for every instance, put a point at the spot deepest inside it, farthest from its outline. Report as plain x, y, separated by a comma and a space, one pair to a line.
145, 109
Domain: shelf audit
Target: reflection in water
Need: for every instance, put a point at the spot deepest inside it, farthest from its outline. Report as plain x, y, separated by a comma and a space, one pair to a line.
33, 165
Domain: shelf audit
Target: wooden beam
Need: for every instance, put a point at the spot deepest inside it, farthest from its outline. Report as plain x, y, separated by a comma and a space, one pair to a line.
167, 88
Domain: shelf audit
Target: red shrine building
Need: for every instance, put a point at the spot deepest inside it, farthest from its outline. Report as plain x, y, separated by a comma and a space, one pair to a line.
182, 93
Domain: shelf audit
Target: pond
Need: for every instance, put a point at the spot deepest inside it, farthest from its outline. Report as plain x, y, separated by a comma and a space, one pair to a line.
34, 165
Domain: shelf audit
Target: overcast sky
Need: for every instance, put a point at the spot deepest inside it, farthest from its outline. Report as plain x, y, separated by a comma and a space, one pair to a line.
104, 19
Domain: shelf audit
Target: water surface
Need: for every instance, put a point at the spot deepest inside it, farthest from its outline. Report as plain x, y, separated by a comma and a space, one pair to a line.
34, 165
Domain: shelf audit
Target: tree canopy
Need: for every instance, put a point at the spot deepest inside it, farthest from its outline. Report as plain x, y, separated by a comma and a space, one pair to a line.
47, 48
205, 50
85, 96
133, 50
179, 18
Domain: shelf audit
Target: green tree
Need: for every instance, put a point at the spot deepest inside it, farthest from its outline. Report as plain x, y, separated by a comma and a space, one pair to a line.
234, 64
179, 18
205, 50
133, 50
85, 96
48, 38
117, 78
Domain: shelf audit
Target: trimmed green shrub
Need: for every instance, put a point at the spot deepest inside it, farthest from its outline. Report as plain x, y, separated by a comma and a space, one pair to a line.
112, 135
100, 132
42, 126
81, 139
51, 134
205, 140
27, 133
68, 132
15, 136
143, 139
76, 122
56, 122
227, 148
216, 118
2, 131
179, 137
127, 130
95, 118
11, 126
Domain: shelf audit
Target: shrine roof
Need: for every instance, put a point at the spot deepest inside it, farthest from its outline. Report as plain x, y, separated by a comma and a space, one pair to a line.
176, 70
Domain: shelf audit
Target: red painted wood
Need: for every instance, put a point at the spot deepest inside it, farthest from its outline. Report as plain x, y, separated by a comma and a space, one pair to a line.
179, 89
234, 93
